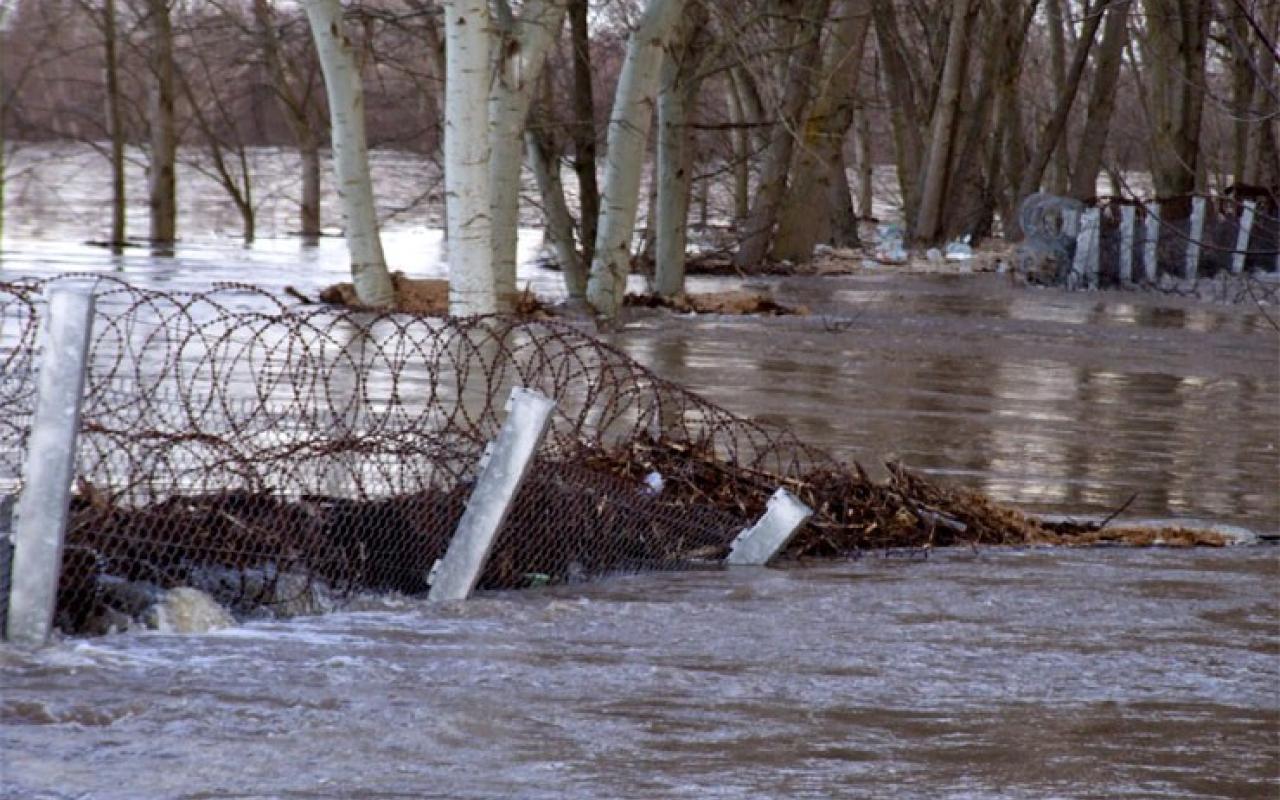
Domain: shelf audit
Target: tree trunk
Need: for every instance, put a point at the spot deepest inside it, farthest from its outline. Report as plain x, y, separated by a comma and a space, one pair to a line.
584, 128
756, 238
345, 92
971, 189
819, 206
164, 138
524, 50
296, 111
1102, 101
904, 110
473, 283
1264, 108
628, 131
866, 169
1056, 127
309, 149
544, 161
1059, 176
741, 151
115, 125
680, 82
1175, 60
929, 221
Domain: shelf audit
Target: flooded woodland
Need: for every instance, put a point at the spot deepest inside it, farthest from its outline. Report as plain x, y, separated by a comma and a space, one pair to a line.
971, 673
639, 399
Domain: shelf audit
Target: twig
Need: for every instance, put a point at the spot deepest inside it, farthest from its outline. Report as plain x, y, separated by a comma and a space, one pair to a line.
1118, 511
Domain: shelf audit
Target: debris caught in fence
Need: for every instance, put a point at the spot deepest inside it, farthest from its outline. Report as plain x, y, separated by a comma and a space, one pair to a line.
282, 459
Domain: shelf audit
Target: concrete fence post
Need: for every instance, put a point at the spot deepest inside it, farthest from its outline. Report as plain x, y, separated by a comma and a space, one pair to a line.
1242, 238
1085, 263
1128, 217
503, 469
42, 510
1150, 239
1193, 239
762, 541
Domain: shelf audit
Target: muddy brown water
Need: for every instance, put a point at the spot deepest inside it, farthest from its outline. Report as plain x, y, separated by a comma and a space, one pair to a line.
1018, 673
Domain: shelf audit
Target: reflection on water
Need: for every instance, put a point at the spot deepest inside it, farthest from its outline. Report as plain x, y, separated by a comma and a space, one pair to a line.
1062, 403
1003, 674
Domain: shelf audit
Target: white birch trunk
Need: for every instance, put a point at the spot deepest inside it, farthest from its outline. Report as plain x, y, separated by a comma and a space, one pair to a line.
628, 132
343, 87
468, 35
524, 53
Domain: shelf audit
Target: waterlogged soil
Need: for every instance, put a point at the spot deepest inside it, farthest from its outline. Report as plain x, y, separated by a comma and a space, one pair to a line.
1019, 674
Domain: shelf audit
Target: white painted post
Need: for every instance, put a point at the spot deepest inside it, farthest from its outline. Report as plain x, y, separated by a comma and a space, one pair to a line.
1085, 263
762, 541
503, 470
1242, 238
1193, 239
1127, 219
43, 507
1149, 242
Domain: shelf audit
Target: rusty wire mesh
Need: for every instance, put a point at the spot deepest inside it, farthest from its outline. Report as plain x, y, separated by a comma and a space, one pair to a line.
282, 459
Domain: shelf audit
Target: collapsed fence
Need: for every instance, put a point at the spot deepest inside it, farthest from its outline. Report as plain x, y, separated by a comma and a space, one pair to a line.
1116, 242
283, 460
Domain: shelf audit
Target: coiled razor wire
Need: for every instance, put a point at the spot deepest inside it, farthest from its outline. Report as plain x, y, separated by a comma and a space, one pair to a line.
282, 458
285, 459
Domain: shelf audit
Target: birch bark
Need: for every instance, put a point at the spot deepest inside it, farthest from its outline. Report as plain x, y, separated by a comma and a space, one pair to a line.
522, 53
624, 162
343, 88
468, 38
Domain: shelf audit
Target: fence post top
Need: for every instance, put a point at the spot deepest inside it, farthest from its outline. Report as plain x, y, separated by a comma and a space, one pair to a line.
532, 397
75, 287
784, 500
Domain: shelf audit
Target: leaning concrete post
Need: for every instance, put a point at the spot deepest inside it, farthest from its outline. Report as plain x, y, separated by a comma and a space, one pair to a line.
762, 541
1127, 220
1193, 240
503, 470
1242, 238
1149, 242
42, 508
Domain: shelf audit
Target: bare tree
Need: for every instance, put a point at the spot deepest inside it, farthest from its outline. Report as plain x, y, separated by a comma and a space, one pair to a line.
371, 280
164, 133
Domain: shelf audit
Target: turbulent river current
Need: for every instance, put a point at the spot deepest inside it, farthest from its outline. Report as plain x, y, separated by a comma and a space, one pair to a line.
971, 674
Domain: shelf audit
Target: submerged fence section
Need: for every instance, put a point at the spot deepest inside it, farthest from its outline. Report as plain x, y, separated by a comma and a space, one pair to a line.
1117, 242
284, 459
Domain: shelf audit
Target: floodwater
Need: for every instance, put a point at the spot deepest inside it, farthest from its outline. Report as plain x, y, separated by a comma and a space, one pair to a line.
1023, 674
1031, 673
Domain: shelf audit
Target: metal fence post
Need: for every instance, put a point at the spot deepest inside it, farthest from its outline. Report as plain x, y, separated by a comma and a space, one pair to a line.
1193, 240
762, 541
1242, 238
503, 470
41, 514
1127, 218
1150, 239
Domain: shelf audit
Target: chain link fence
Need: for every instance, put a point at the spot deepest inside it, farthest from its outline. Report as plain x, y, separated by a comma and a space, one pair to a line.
285, 459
